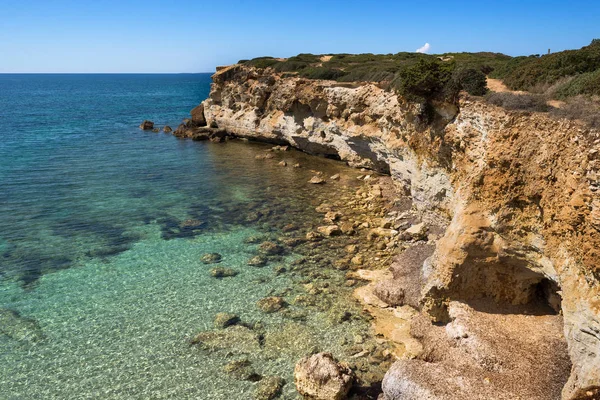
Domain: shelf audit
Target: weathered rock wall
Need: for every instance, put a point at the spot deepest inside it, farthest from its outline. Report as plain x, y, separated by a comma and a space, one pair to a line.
521, 191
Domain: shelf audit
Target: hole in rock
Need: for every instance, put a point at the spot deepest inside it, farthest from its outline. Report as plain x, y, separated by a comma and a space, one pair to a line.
512, 287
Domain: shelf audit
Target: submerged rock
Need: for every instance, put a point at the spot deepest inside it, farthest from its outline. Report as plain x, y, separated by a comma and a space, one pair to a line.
191, 224
313, 236
317, 180
258, 261
19, 328
223, 320
269, 388
211, 258
167, 129
236, 338
270, 248
271, 304
279, 269
253, 239
242, 370
147, 125
223, 272
320, 376
156, 130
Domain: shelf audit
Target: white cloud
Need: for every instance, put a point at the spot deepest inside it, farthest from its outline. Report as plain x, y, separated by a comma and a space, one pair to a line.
424, 49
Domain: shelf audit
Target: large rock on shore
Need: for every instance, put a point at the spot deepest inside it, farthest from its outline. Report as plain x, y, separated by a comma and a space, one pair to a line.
198, 115
321, 377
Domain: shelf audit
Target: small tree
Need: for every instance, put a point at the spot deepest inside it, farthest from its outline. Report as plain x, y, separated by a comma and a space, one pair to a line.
471, 81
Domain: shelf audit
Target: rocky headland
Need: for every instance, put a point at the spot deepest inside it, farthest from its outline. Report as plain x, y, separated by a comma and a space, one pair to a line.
491, 290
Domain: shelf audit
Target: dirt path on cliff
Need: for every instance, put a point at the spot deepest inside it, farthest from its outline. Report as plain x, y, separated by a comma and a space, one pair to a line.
496, 85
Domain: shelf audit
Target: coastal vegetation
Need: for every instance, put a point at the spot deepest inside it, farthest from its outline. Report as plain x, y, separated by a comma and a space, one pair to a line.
570, 78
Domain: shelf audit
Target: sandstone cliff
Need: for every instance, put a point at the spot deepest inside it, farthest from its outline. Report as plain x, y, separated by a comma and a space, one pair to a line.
520, 191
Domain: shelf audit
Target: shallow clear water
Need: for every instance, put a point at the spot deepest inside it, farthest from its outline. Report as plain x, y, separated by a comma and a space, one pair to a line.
99, 269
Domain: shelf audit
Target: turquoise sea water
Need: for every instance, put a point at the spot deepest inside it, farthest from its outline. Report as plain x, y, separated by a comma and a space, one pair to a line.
102, 228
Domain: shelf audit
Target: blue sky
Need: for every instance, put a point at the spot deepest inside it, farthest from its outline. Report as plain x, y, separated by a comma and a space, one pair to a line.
196, 36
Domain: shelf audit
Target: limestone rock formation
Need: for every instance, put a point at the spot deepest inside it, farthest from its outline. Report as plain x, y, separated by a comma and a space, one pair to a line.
321, 377
198, 115
518, 192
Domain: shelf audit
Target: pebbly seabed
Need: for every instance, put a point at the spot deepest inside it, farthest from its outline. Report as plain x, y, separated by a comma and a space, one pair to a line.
148, 321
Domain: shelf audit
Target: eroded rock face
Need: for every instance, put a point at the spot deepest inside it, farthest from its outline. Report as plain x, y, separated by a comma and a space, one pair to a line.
321, 377
520, 191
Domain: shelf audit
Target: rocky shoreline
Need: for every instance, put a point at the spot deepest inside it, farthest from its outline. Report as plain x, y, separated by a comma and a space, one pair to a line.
500, 210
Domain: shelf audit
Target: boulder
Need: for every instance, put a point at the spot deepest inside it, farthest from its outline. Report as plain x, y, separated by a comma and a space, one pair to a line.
211, 258
269, 388
167, 129
417, 232
223, 320
332, 216
381, 232
330, 230
197, 113
351, 248
347, 228
358, 259
389, 292
317, 180
271, 304
321, 377
147, 125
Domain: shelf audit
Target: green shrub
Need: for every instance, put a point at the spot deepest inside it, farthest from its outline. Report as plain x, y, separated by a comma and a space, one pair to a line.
290, 66
550, 68
471, 81
583, 84
262, 62
424, 80
321, 73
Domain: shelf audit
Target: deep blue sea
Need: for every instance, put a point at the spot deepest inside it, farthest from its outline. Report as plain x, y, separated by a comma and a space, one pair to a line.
102, 230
